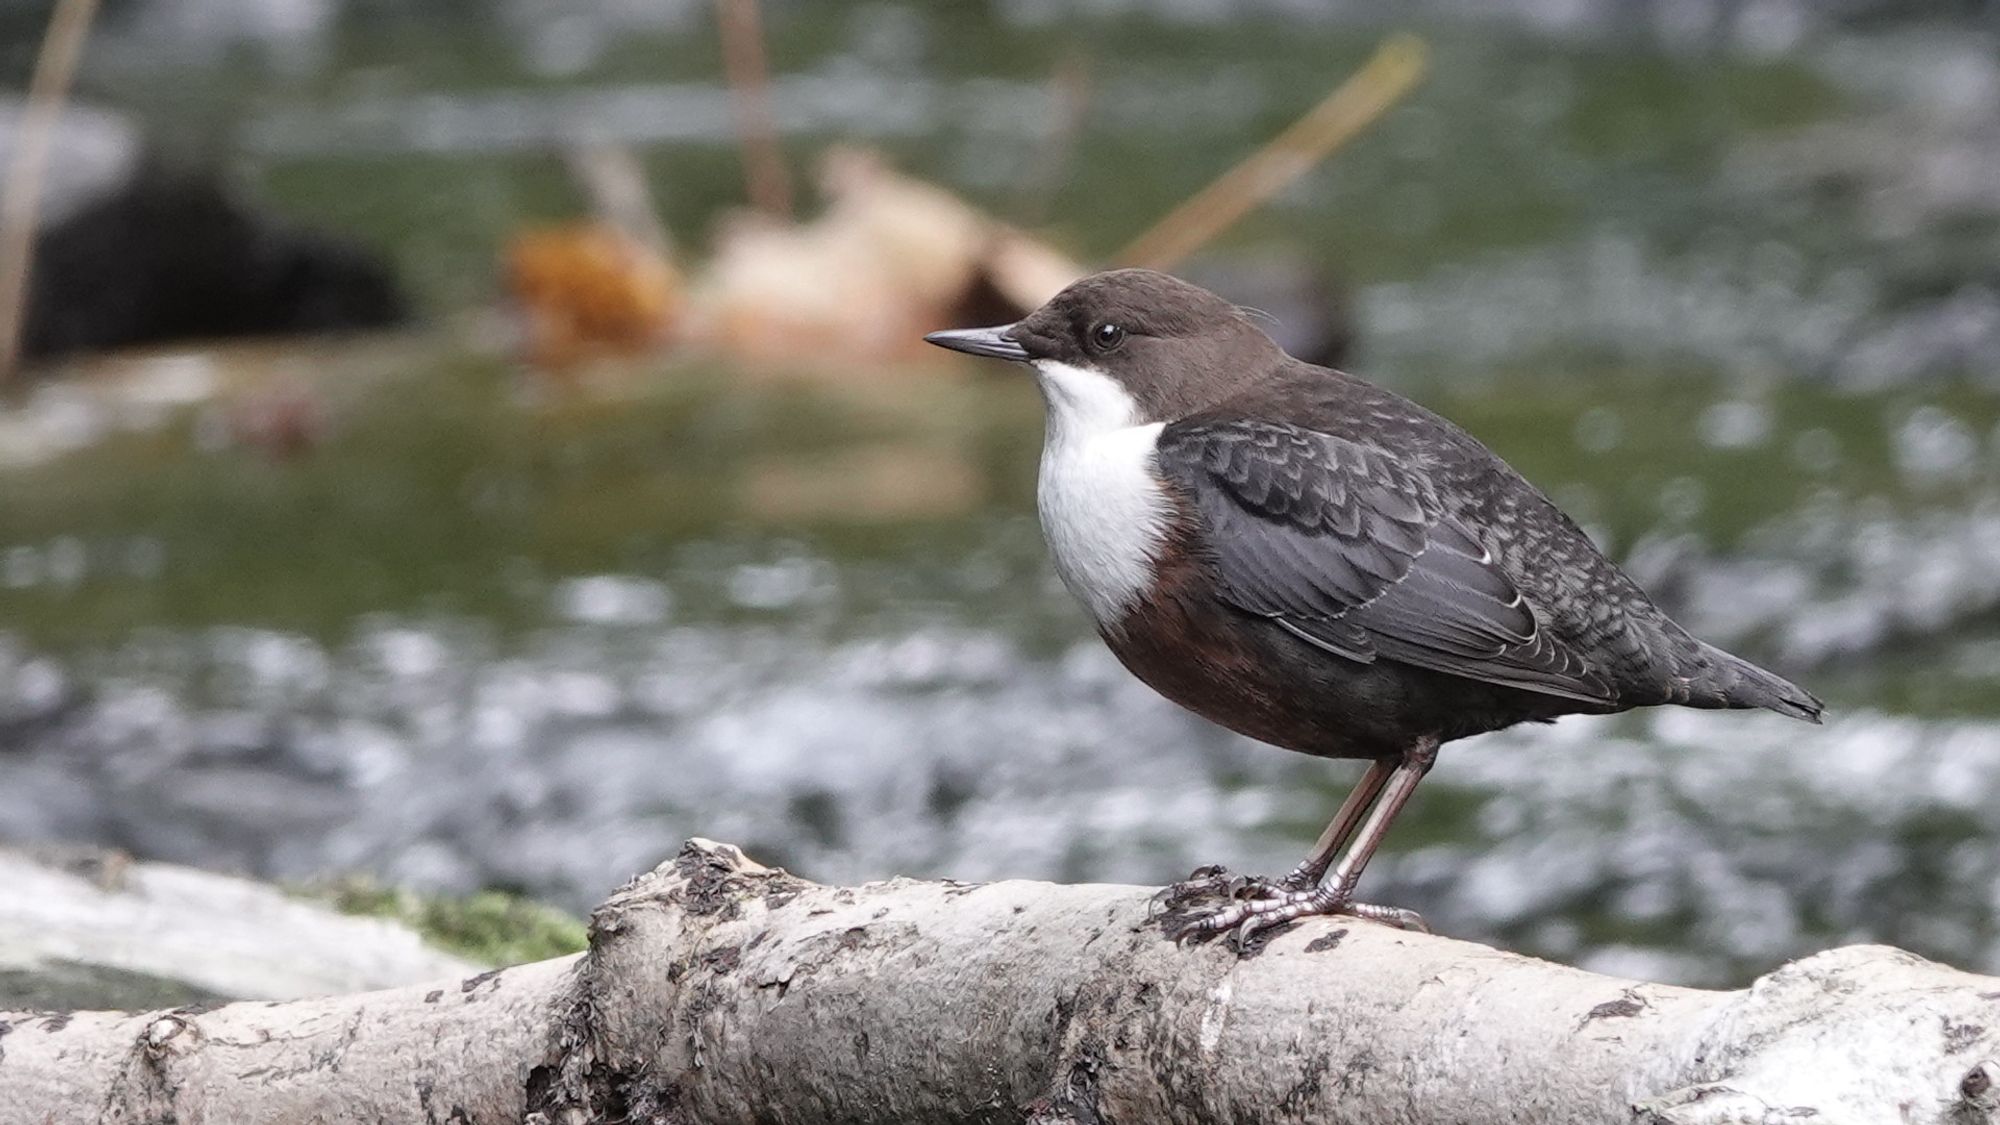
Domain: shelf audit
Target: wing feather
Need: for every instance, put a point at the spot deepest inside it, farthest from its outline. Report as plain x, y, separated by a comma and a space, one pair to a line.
1347, 547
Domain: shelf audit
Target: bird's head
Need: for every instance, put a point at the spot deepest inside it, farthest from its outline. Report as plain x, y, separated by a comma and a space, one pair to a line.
1129, 347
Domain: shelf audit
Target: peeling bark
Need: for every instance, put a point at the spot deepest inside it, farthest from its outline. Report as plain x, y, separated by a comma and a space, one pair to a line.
718, 991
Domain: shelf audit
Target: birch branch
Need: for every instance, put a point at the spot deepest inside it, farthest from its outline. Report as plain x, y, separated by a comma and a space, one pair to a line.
718, 991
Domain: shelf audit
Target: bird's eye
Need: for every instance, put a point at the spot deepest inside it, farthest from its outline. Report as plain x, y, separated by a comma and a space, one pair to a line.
1107, 336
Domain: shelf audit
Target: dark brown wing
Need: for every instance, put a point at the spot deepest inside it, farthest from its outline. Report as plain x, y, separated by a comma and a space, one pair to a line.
1348, 548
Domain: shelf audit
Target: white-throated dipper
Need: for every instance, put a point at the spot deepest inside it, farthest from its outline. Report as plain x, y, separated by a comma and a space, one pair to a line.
1321, 564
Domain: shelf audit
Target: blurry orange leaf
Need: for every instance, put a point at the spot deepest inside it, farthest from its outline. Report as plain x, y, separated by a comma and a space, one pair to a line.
585, 290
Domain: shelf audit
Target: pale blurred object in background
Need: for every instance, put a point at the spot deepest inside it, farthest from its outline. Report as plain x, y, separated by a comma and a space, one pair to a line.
889, 259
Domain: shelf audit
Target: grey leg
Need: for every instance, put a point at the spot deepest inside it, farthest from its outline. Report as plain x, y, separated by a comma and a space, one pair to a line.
1336, 895
1402, 786
1313, 868
1215, 880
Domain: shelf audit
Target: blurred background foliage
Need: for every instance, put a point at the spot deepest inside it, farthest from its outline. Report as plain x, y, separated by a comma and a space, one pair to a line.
407, 605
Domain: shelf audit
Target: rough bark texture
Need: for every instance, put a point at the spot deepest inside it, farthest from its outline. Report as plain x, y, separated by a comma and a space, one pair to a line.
719, 991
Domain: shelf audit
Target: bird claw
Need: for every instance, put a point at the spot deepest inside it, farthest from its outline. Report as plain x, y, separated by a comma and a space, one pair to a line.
1243, 920
1213, 881
1244, 917
1210, 882
1175, 895
1389, 916
1300, 880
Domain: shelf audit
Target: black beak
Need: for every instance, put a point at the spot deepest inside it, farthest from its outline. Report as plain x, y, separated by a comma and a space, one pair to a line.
991, 342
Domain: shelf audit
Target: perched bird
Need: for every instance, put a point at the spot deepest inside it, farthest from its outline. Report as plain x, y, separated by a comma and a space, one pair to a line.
1319, 563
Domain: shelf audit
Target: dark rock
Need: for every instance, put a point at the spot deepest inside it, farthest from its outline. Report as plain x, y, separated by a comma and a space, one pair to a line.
171, 256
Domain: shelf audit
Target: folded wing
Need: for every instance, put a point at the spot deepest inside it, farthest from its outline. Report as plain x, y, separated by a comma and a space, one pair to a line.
1347, 547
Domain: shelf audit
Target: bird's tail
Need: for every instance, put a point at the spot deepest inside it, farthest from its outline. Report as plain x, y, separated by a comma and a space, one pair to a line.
1731, 681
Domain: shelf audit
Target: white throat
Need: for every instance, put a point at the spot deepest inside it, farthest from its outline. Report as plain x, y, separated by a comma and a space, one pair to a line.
1103, 510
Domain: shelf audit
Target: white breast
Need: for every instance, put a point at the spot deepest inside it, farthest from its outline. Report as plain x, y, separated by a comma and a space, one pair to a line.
1103, 510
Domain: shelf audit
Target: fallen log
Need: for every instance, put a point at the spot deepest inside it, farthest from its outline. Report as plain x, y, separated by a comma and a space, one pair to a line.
716, 990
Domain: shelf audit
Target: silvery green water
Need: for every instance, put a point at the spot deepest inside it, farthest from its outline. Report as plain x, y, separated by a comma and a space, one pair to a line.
1726, 291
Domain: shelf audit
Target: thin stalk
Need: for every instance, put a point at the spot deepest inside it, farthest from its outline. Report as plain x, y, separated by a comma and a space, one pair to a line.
20, 206
1394, 70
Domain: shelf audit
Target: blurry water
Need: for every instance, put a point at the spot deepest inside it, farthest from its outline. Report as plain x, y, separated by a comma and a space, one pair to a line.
484, 634
854, 744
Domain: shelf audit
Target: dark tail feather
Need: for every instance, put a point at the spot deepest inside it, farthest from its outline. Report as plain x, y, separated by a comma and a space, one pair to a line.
1732, 681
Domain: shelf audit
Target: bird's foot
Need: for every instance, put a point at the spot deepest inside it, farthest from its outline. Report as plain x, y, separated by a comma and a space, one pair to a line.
1243, 917
1207, 884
